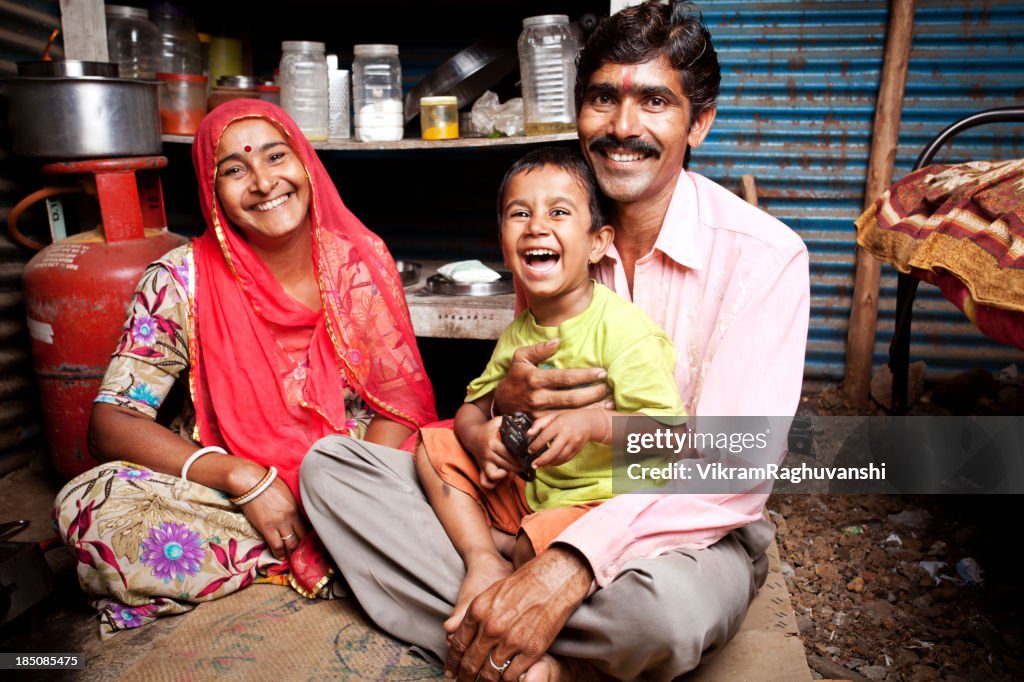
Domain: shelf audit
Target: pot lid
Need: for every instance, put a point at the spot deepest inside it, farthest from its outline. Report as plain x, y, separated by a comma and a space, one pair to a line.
67, 68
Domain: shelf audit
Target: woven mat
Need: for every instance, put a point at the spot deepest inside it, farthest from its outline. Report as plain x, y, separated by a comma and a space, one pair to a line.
269, 632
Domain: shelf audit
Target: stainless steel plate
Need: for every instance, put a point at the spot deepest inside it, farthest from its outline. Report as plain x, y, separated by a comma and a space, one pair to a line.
439, 284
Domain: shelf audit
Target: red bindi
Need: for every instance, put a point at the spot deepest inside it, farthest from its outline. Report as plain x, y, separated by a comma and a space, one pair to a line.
247, 148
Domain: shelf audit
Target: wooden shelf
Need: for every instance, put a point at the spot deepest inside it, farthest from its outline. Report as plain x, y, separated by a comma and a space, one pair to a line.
457, 317
416, 143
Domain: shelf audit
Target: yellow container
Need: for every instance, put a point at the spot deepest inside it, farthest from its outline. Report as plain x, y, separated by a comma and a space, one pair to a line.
439, 118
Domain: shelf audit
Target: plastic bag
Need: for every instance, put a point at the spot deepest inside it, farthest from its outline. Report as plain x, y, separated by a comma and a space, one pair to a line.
489, 115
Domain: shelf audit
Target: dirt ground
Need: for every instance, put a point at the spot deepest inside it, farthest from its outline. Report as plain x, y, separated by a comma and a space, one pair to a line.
895, 587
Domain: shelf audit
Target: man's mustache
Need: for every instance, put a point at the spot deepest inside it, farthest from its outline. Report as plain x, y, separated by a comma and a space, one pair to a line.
630, 144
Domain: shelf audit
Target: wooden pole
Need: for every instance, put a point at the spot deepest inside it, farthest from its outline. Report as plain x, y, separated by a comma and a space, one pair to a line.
860, 340
85, 30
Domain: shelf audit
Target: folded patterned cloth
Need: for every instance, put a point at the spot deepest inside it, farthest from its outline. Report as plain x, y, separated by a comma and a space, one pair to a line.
467, 271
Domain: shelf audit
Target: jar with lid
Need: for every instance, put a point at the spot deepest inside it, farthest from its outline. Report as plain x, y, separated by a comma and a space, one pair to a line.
131, 41
377, 93
229, 88
303, 79
178, 48
439, 118
547, 67
182, 102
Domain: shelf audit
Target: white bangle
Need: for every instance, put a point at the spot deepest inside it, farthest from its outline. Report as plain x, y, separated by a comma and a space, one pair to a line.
196, 455
264, 483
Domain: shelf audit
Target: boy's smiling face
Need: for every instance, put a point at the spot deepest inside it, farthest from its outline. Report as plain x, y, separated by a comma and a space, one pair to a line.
547, 242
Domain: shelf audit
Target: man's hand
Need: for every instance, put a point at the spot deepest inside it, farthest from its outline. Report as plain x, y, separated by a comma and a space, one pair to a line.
528, 388
519, 617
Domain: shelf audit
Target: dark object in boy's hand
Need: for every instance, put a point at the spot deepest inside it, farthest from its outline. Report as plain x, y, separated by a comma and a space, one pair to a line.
513, 435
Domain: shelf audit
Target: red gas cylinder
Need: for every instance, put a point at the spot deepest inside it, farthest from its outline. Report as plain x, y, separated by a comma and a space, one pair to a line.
77, 291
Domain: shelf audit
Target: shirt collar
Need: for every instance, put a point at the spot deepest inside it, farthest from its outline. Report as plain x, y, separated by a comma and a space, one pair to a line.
680, 241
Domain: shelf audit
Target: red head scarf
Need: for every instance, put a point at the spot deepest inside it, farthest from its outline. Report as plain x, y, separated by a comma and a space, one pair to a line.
362, 336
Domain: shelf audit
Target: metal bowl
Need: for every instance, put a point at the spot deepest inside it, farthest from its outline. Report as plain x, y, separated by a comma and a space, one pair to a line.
70, 110
408, 271
70, 68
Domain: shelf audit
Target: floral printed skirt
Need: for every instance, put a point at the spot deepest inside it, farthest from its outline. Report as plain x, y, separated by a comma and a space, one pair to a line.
150, 545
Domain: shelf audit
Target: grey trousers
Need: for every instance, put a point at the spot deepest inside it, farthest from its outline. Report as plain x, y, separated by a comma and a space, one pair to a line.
652, 622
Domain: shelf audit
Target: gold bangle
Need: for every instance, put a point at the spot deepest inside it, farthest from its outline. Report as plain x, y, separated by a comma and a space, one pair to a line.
254, 491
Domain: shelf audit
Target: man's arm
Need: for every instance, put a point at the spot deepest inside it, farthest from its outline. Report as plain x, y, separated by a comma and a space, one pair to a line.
527, 388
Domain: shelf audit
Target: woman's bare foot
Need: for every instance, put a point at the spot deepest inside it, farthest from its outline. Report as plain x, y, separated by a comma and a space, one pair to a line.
481, 572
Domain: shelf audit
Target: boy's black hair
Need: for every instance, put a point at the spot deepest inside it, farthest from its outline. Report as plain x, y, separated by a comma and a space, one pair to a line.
565, 159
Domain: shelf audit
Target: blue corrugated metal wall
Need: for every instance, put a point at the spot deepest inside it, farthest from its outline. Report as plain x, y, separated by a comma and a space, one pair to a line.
799, 82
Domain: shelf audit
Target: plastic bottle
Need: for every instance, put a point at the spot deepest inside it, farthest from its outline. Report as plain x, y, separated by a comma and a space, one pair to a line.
179, 42
303, 80
132, 41
377, 93
547, 66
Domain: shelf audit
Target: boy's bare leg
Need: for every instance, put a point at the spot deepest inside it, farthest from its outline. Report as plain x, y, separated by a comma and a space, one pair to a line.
470, 533
505, 542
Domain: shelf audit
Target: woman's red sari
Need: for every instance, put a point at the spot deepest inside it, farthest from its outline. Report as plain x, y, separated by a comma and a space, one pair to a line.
361, 337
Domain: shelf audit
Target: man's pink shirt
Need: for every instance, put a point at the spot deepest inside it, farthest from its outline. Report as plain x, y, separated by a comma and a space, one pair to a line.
730, 285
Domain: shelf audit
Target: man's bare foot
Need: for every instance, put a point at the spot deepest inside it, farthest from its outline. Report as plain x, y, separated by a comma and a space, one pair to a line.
481, 573
554, 669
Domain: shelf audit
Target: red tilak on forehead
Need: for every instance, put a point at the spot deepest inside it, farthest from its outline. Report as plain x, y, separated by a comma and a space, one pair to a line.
627, 79
247, 148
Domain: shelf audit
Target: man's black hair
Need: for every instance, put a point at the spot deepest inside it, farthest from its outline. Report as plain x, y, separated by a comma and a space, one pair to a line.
644, 32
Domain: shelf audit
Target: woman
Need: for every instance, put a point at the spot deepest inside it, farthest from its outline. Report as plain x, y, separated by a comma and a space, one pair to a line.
287, 322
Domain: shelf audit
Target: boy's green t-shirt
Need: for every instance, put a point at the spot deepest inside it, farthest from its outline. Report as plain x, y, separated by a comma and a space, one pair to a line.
611, 333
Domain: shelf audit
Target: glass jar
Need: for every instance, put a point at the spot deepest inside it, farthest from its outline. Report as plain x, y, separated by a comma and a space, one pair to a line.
178, 47
182, 102
131, 41
303, 79
229, 88
377, 93
439, 118
547, 67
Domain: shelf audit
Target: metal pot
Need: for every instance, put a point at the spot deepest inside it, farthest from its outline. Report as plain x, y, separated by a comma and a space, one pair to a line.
80, 110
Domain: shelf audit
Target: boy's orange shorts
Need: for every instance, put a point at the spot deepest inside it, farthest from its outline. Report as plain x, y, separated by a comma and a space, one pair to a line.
505, 506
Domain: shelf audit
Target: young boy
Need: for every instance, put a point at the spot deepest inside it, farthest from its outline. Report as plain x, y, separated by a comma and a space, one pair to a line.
552, 229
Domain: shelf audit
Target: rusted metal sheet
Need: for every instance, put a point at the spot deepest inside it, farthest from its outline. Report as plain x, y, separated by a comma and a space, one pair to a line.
799, 82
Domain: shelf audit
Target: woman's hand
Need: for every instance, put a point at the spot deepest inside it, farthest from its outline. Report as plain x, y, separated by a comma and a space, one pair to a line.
275, 514
566, 432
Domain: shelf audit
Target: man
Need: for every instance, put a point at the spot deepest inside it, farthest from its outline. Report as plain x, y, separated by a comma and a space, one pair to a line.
645, 584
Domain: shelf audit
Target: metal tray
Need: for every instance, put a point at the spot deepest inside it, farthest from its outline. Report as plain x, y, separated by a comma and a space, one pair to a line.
439, 284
